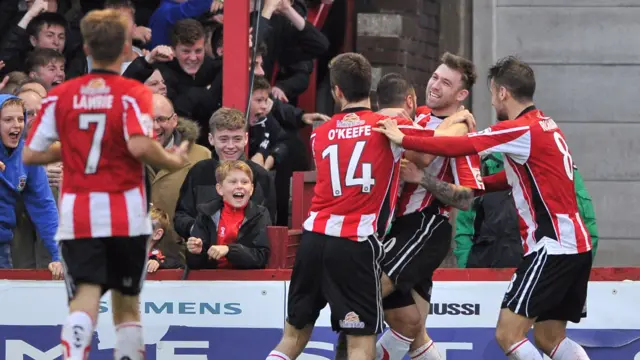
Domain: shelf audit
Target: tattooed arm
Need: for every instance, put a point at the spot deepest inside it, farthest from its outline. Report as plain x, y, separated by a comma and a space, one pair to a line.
457, 196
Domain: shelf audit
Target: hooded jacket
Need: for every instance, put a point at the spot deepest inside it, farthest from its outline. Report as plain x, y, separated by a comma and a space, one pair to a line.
29, 182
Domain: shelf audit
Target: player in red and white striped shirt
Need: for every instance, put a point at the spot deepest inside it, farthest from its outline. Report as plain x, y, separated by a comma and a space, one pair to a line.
549, 286
420, 235
104, 126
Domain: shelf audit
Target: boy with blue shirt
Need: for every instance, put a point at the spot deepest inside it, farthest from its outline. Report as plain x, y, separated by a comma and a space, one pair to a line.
26, 181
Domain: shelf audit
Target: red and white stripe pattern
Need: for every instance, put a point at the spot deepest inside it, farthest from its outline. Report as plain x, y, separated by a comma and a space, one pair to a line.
539, 168
108, 214
464, 171
341, 225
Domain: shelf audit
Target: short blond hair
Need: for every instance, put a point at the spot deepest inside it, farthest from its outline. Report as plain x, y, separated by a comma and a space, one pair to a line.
159, 219
227, 167
227, 118
13, 102
105, 33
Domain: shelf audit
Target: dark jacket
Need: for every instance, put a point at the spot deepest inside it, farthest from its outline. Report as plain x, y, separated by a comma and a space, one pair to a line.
488, 235
199, 187
267, 137
251, 249
192, 96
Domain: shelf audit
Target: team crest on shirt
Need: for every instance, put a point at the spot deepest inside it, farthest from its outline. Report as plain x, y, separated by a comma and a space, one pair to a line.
22, 182
95, 86
350, 120
351, 321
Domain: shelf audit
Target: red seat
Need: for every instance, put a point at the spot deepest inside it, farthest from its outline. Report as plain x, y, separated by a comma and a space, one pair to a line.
284, 243
302, 186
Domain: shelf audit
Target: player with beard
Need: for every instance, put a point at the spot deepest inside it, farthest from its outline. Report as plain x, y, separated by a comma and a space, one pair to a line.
420, 235
549, 287
338, 260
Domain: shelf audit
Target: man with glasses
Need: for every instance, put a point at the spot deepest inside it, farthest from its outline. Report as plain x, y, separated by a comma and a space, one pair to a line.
171, 130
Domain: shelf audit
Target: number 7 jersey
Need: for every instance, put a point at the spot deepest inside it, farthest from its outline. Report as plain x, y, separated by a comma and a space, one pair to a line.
103, 193
357, 176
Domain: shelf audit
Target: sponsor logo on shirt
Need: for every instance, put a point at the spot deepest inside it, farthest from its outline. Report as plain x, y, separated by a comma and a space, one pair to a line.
350, 120
95, 86
351, 321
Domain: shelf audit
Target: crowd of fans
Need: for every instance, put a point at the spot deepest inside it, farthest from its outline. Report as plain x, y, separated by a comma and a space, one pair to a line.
177, 53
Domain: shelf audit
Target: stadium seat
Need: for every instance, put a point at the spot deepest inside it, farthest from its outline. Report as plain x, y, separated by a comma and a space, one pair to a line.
284, 243
301, 194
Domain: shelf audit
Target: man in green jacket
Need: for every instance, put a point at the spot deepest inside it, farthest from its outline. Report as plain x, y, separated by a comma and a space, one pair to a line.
487, 235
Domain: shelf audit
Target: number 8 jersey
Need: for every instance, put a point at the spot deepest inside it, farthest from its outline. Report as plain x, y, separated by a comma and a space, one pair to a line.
539, 169
103, 193
357, 176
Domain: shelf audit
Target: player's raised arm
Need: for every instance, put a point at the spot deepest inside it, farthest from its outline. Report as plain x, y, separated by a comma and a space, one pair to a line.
151, 152
42, 145
450, 146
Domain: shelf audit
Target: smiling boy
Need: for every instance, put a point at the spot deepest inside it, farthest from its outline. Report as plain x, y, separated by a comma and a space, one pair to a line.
230, 232
20, 180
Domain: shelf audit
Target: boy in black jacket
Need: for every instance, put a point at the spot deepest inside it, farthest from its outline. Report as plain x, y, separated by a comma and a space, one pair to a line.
267, 139
230, 233
228, 137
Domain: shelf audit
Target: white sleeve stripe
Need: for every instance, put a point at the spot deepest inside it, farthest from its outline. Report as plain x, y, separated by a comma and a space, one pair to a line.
518, 149
46, 132
414, 127
499, 132
134, 104
49, 99
125, 106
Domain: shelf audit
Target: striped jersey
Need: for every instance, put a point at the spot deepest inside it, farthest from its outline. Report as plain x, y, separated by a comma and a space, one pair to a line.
103, 193
357, 176
463, 171
539, 168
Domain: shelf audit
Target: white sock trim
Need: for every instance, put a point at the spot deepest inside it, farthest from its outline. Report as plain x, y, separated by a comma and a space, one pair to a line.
277, 355
517, 345
421, 350
401, 337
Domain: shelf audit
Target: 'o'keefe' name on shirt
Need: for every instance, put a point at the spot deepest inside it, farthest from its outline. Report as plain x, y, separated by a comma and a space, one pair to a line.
349, 133
92, 102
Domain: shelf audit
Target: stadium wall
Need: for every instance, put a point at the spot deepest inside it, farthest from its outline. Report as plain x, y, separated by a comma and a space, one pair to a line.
241, 314
587, 65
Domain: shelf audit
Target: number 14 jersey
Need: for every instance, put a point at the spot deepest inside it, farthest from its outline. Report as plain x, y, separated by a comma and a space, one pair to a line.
357, 175
103, 192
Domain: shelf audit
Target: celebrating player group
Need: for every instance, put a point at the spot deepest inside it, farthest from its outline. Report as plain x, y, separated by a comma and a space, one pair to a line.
378, 223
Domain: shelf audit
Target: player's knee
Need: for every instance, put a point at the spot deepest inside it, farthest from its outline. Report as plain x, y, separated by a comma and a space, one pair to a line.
361, 347
296, 339
406, 321
548, 337
86, 299
125, 308
506, 336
